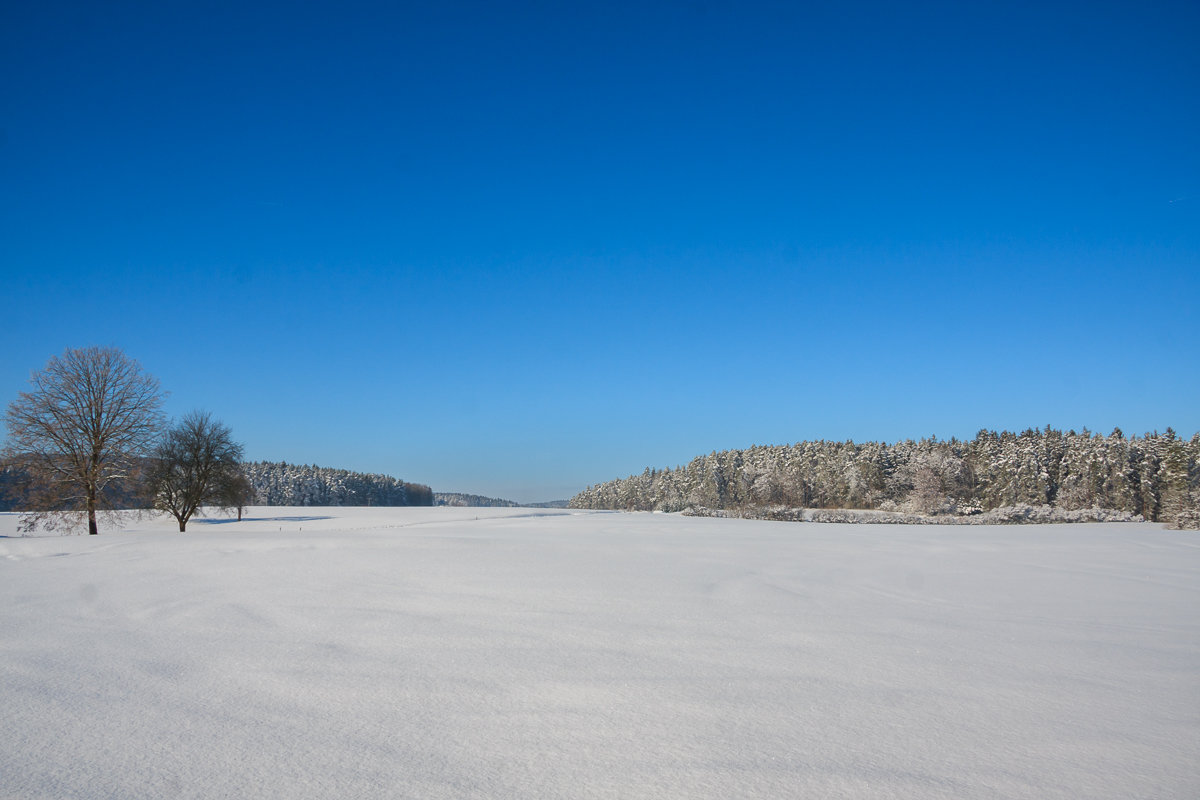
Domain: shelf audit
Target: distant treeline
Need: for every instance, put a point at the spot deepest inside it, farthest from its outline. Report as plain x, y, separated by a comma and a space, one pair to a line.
17, 487
283, 484
470, 500
275, 484
479, 501
10, 487
1156, 476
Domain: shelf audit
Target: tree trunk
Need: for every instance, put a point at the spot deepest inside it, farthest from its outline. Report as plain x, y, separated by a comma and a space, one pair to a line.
93, 529
182, 524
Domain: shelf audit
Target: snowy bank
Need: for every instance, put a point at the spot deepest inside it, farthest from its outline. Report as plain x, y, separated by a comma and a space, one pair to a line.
1021, 514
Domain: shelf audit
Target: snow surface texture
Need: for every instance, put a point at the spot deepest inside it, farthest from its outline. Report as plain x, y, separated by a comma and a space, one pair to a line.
503, 653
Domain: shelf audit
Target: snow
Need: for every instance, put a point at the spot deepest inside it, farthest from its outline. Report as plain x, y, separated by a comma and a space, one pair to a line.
510, 653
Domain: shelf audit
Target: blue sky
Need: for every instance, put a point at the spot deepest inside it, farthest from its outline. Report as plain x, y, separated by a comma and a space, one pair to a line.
515, 249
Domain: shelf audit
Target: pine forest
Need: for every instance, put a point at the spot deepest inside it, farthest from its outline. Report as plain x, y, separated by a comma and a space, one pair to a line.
1155, 476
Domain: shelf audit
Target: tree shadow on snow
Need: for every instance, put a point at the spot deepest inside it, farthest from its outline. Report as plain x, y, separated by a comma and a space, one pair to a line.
256, 519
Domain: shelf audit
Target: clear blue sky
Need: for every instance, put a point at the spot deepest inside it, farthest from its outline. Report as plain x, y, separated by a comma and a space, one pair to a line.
515, 249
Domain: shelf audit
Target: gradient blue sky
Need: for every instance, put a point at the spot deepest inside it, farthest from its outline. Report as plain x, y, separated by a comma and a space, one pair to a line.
515, 249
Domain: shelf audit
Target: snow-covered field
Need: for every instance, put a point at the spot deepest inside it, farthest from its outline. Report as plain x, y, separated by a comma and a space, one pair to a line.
510, 653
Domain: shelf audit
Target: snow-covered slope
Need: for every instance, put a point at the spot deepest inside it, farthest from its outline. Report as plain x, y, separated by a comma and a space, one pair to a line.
509, 653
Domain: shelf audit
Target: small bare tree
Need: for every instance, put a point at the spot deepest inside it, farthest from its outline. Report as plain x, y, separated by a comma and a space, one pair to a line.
197, 463
236, 491
81, 433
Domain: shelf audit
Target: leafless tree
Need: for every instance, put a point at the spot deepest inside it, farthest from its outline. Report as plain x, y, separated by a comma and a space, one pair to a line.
81, 433
236, 491
197, 463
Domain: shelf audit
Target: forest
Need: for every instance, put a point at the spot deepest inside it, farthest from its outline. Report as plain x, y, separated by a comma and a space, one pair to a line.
1155, 476
462, 499
283, 484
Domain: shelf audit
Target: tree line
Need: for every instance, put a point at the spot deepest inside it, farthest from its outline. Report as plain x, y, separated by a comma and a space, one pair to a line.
90, 436
463, 500
283, 484
1156, 476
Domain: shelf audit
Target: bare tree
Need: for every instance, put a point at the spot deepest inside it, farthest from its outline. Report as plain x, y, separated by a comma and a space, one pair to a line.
196, 464
236, 491
81, 432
